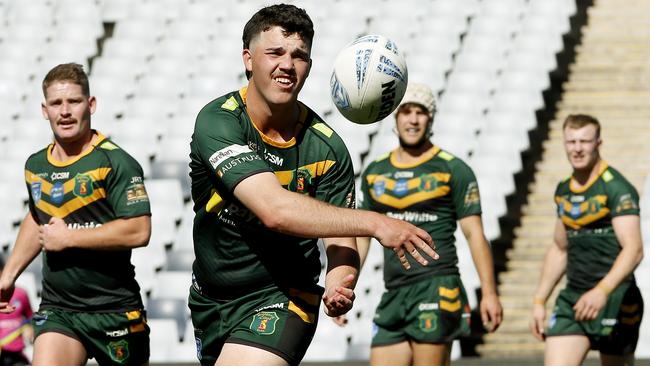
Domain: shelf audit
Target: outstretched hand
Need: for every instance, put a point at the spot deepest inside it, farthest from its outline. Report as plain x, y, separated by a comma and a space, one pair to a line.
403, 238
6, 291
338, 298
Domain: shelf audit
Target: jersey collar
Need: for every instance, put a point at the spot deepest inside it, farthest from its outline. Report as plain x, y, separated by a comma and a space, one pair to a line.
302, 117
50, 158
433, 151
573, 185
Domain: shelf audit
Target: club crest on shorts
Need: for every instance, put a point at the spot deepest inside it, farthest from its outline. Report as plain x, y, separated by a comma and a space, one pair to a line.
428, 322
119, 350
264, 322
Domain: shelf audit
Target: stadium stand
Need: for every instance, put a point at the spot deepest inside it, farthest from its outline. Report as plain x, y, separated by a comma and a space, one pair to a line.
493, 64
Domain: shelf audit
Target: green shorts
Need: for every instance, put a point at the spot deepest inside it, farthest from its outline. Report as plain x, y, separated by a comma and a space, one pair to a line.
269, 319
111, 338
430, 311
616, 329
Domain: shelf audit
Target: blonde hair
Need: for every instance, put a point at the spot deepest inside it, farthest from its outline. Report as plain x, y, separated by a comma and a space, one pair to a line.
67, 72
581, 120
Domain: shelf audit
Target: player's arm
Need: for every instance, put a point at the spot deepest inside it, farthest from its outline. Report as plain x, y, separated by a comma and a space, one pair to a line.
552, 271
119, 234
299, 215
628, 233
25, 250
363, 247
342, 274
490, 307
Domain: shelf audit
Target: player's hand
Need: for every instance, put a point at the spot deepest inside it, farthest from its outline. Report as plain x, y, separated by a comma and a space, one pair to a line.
404, 238
338, 298
6, 291
54, 236
491, 312
537, 321
589, 304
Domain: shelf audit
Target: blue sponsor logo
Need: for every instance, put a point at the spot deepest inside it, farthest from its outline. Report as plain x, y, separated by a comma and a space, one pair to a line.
575, 211
339, 95
36, 191
379, 187
375, 329
199, 347
56, 195
401, 188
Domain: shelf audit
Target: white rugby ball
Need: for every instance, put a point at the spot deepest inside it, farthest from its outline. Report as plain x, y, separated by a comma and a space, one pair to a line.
369, 79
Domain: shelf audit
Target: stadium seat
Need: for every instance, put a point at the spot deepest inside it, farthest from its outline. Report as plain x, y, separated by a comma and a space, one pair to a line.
163, 339
180, 259
170, 308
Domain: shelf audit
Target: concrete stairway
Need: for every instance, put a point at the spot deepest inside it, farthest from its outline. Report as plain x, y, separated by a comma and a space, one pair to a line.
610, 79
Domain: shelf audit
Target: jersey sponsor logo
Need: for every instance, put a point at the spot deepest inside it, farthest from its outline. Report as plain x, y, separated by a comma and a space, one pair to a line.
36, 191
411, 216
401, 188
375, 329
278, 305
40, 318
577, 198
472, 197
199, 347
136, 193
402, 174
428, 306
84, 225
57, 193
608, 322
428, 321
626, 202
118, 350
379, 187
83, 185
237, 161
227, 152
264, 322
60, 175
274, 159
117, 333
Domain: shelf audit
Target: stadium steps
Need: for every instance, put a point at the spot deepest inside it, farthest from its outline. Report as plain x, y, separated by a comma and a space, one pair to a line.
608, 79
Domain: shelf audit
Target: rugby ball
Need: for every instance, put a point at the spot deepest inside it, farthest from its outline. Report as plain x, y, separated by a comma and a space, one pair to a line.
369, 79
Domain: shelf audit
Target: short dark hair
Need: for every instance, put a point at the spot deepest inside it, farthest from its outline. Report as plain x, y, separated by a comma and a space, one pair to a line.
292, 19
67, 72
581, 120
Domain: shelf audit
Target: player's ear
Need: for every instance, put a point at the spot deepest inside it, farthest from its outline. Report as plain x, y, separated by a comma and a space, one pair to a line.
92, 104
247, 56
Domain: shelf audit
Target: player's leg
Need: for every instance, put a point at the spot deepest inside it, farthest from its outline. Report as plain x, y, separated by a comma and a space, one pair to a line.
398, 354
57, 349
567, 350
430, 354
239, 354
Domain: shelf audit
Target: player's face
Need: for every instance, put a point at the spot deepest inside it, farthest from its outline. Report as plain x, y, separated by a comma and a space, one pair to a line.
68, 110
412, 123
582, 146
279, 64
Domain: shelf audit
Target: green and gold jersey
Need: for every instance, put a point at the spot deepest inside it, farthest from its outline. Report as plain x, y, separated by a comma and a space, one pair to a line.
101, 185
433, 194
587, 216
235, 252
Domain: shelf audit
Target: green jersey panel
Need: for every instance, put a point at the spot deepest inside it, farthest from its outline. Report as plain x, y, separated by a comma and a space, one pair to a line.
100, 186
235, 252
432, 194
587, 216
